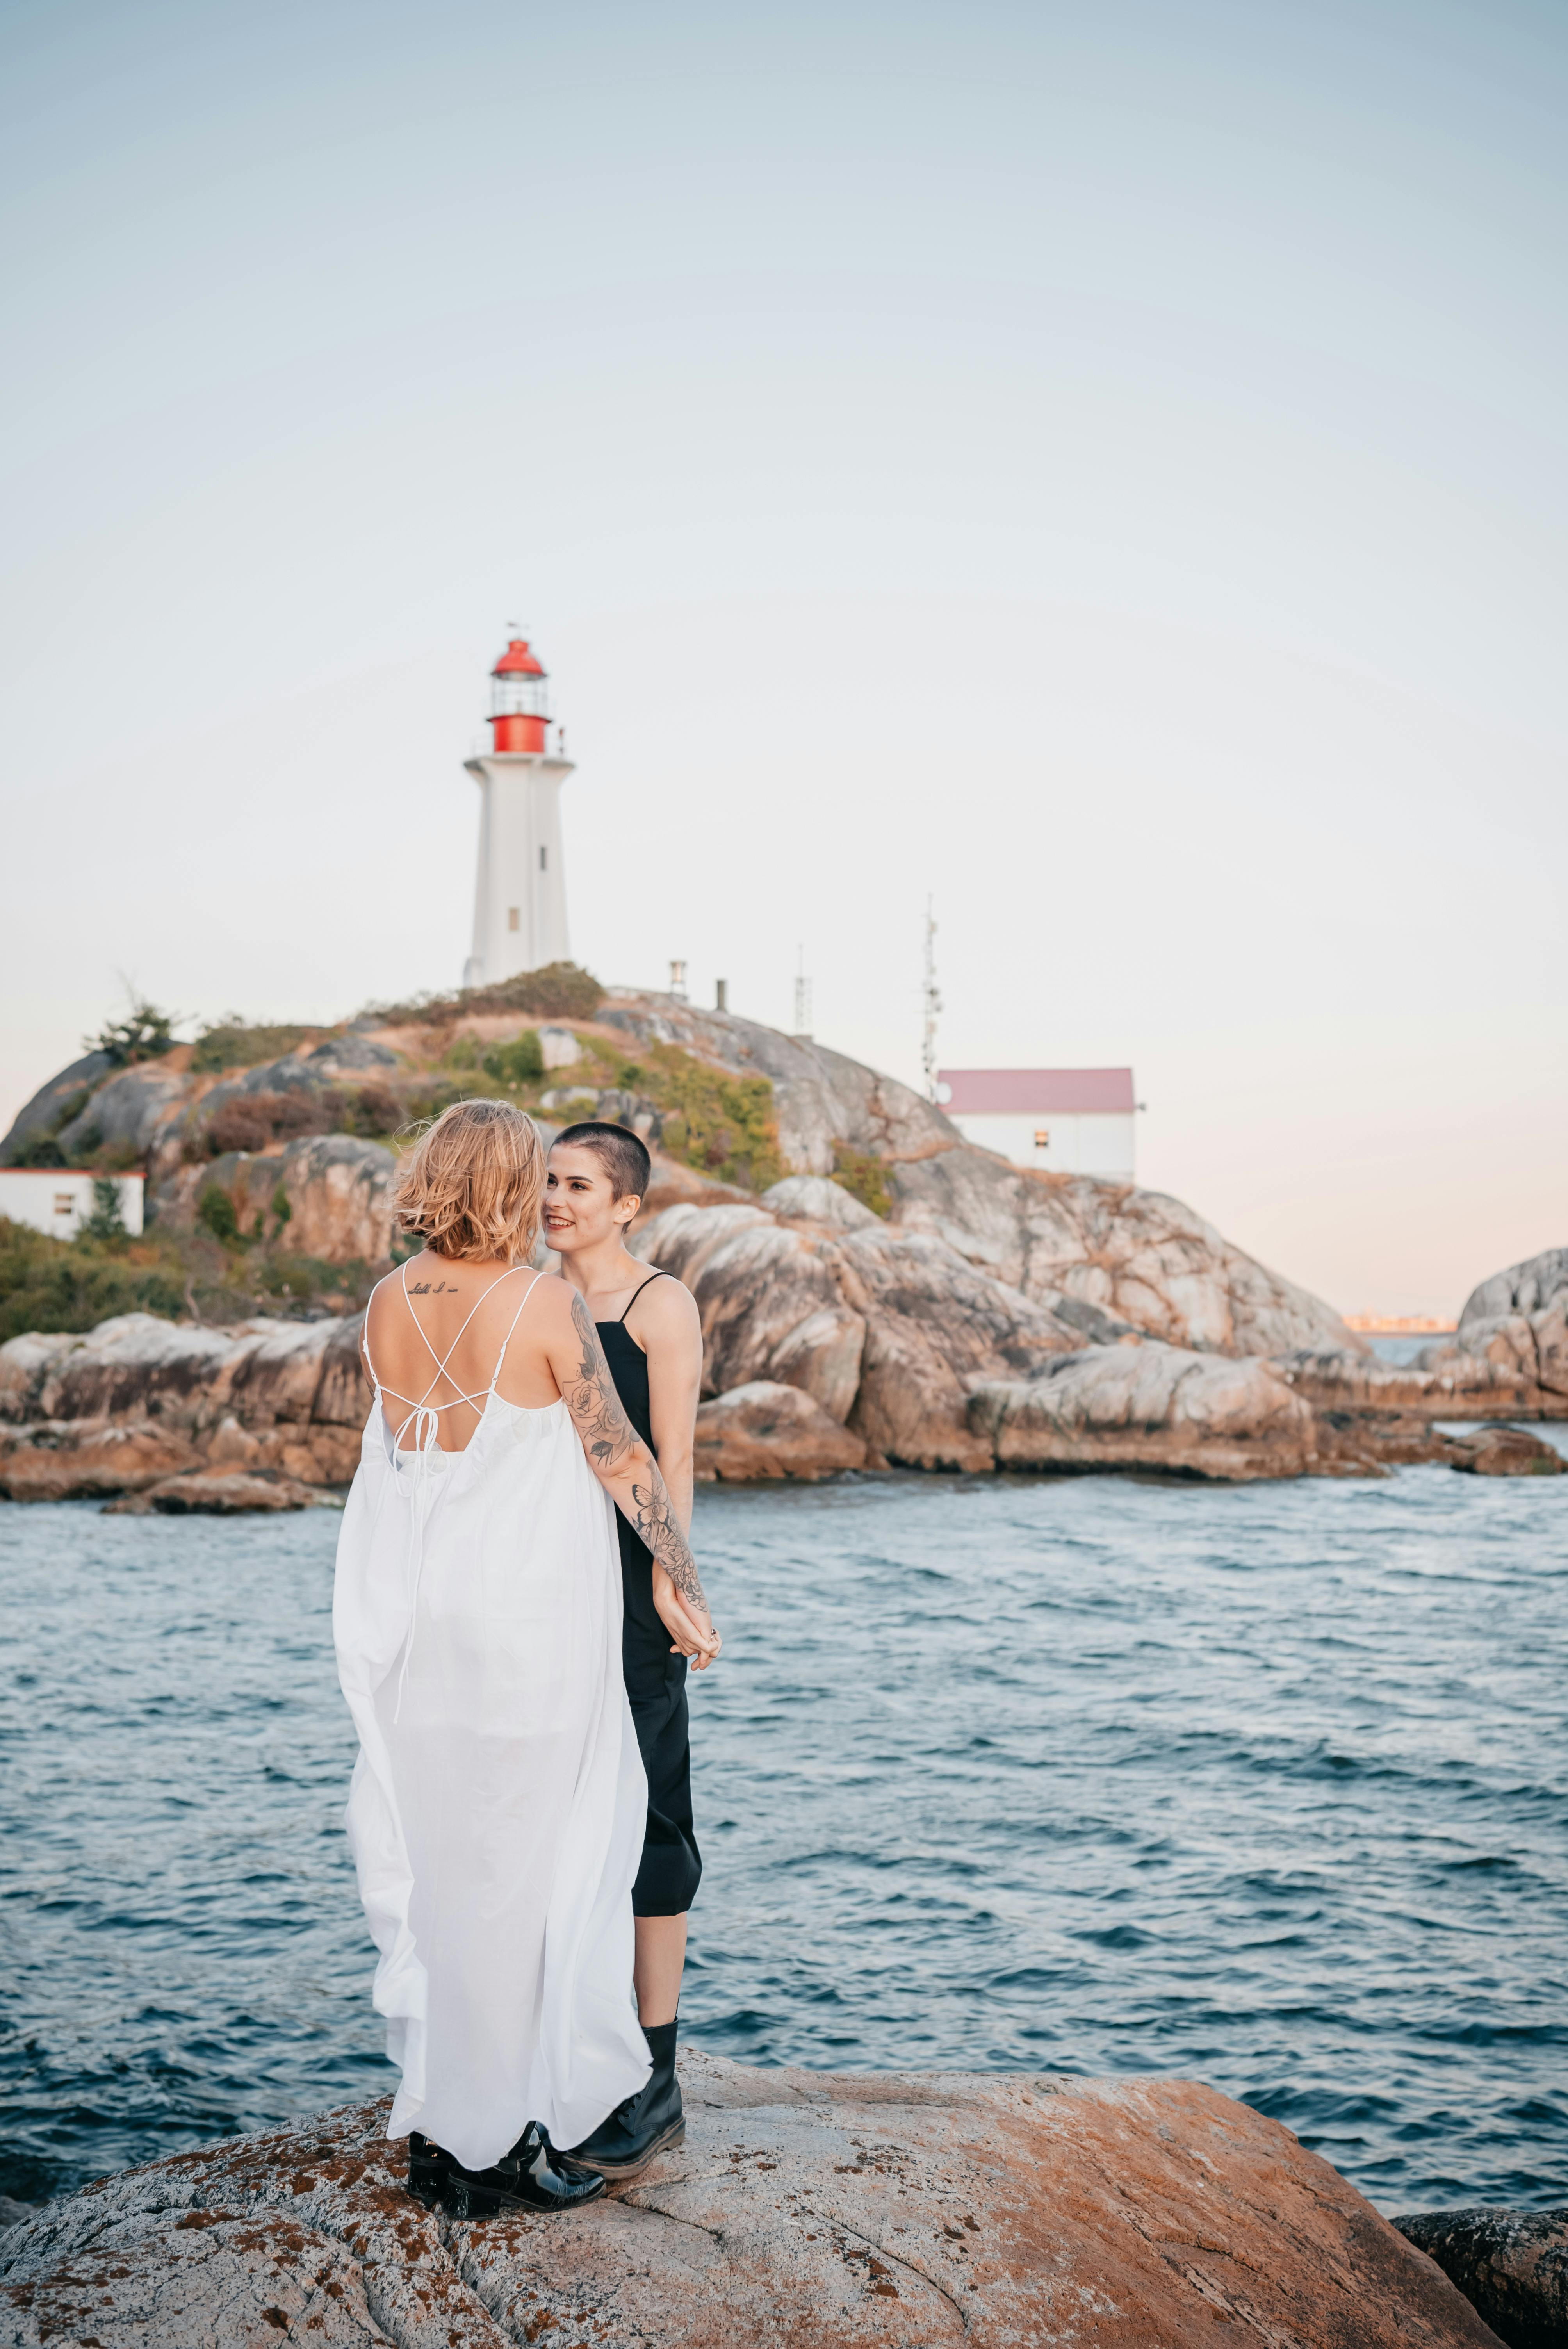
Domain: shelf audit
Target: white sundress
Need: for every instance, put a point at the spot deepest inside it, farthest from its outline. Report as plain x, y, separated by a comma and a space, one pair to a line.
498, 1806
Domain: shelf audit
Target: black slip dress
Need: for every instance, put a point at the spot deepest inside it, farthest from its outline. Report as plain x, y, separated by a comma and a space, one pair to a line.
671, 1866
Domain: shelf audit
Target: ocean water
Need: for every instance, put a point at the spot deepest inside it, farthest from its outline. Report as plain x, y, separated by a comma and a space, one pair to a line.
1263, 1786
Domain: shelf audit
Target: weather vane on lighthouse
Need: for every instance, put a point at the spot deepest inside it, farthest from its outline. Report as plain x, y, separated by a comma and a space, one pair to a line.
519, 895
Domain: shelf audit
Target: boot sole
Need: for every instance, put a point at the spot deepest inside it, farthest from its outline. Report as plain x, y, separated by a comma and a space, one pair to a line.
616, 2172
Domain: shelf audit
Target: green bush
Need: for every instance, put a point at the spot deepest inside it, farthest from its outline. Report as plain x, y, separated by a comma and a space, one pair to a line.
39, 1150
107, 1221
49, 1284
865, 1176
463, 1054
216, 1212
517, 1063
722, 1124
237, 1043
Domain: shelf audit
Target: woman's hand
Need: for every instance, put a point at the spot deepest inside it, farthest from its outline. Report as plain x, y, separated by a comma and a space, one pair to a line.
691, 1633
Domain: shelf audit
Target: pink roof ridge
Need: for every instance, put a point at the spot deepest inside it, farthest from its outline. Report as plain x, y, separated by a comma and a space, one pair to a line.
1031, 1091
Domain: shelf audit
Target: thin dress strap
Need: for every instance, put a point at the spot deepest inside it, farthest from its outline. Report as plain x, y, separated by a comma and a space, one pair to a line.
660, 1275
528, 1292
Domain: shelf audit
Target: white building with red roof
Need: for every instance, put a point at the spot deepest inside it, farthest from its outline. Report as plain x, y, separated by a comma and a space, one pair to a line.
1058, 1121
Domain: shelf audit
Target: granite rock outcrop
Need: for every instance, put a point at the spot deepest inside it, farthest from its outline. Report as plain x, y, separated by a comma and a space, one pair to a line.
137, 1402
337, 1192
763, 1431
1514, 1328
1150, 1407
805, 2210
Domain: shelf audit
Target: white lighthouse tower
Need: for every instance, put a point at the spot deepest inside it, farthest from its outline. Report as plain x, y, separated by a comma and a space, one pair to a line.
520, 897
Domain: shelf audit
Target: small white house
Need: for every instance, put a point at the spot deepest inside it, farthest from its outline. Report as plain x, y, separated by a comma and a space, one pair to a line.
59, 1199
1059, 1121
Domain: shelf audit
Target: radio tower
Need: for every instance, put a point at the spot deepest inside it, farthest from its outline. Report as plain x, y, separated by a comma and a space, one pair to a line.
802, 1030
931, 1001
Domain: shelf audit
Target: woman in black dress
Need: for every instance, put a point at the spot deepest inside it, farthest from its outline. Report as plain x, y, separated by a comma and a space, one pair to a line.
652, 1336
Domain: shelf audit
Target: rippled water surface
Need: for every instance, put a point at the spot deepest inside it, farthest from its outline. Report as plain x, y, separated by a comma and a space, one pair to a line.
1261, 1786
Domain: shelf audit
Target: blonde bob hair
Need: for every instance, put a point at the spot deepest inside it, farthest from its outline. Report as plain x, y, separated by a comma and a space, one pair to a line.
473, 1186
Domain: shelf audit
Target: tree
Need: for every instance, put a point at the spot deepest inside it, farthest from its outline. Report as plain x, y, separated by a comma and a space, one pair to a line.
143, 1035
107, 1221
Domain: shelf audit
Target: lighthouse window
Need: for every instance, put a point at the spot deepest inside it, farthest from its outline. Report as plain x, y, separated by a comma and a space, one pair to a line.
513, 916
1042, 1137
543, 860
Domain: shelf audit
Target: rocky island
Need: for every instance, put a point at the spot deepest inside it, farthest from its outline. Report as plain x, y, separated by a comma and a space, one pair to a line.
875, 1291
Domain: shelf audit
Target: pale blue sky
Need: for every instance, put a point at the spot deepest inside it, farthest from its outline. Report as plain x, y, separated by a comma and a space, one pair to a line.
1103, 465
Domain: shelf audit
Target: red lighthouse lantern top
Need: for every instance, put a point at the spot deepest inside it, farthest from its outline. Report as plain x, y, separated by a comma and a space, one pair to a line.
520, 699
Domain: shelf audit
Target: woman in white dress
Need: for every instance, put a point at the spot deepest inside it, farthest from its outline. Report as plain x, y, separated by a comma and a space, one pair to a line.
498, 1804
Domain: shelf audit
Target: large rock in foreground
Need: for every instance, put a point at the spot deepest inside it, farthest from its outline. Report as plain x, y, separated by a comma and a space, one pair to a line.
805, 2211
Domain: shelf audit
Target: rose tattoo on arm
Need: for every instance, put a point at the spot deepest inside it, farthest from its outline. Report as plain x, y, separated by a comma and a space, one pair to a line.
613, 1445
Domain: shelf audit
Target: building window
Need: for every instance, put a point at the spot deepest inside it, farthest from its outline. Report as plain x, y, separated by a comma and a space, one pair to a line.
64, 1203
1042, 1137
513, 917
544, 860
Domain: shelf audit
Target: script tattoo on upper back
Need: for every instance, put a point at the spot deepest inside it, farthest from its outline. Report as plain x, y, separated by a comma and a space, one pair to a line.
609, 1438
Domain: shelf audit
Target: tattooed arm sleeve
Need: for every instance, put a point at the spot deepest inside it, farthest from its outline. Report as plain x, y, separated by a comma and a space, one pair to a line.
620, 1459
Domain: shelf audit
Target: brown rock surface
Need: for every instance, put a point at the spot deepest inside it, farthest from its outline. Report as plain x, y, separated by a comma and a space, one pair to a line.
1504, 1452
934, 1327
884, 1329
339, 1192
1443, 1383
71, 1460
757, 1284
138, 1399
765, 1429
223, 1492
1149, 1407
804, 2211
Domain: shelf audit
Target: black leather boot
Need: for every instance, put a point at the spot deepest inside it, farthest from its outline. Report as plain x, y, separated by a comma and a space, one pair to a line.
527, 2179
646, 2124
428, 2166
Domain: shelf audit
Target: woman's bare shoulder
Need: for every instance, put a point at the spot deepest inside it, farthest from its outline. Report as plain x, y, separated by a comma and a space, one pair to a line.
552, 1300
666, 1308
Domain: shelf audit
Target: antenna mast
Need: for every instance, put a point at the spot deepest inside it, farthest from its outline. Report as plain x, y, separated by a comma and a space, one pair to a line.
802, 999
932, 1003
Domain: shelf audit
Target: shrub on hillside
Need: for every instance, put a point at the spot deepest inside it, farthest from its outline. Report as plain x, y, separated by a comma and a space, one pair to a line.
252, 1120
557, 990
39, 1150
374, 1110
217, 1214
49, 1284
236, 1043
864, 1176
722, 1124
517, 1063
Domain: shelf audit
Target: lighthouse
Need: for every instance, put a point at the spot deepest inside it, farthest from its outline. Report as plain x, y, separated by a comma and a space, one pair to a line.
519, 895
